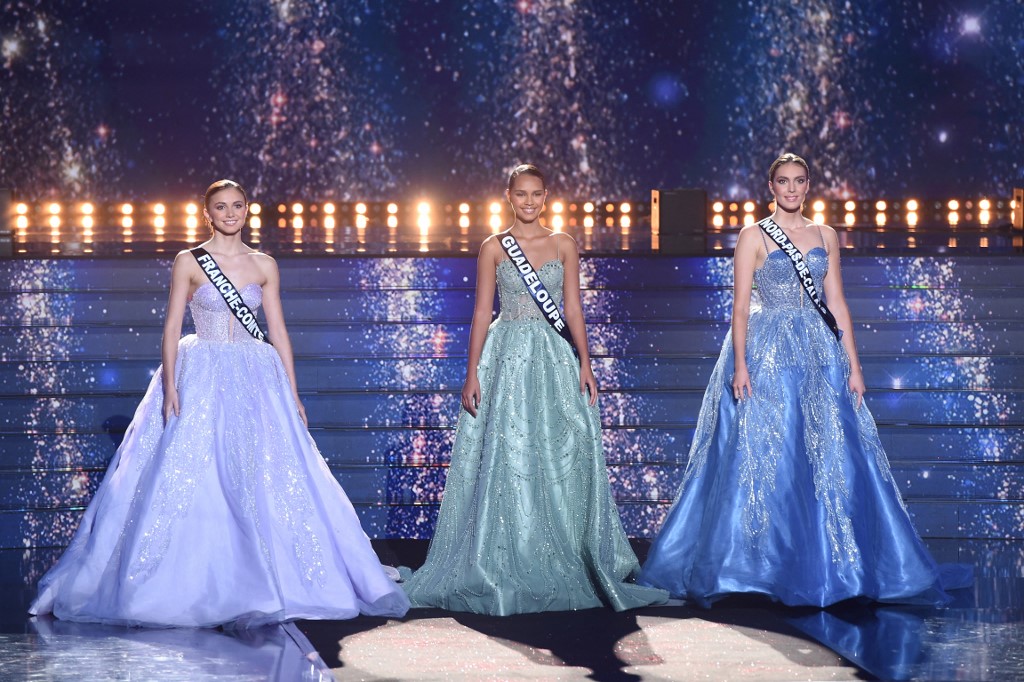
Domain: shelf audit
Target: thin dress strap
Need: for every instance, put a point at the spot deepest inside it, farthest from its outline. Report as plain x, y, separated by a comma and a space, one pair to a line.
766, 249
821, 237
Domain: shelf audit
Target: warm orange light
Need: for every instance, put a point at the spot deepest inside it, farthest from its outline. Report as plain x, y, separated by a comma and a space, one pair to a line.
818, 206
463, 208
255, 209
717, 207
984, 217
880, 218
127, 209
21, 209
850, 205
624, 207
191, 222
588, 221
21, 222
297, 208
159, 222
588, 207
392, 221
159, 209
495, 222
748, 207
87, 222
329, 208
912, 205
54, 209
717, 220
558, 222
87, 208
557, 207
985, 204
297, 222
392, 209
126, 222
819, 218
625, 222
191, 209
954, 217
495, 207
850, 219
55, 221
255, 222
463, 221
953, 205
748, 219
912, 218
329, 222
423, 208
361, 221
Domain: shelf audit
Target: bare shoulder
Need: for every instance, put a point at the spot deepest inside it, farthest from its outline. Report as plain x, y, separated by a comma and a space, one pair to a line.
185, 261
491, 247
749, 236
566, 242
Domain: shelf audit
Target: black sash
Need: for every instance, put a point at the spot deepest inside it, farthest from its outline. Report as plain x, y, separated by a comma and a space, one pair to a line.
803, 273
537, 290
221, 283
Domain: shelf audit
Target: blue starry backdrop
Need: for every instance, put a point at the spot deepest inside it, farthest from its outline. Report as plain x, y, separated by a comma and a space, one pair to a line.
389, 100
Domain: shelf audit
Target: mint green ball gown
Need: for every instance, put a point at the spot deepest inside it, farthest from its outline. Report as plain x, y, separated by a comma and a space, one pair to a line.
527, 522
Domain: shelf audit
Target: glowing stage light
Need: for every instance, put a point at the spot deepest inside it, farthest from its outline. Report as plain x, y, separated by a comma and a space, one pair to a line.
87, 222
819, 218
464, 221
625, 207
588, 221
191, 222
254, 209
423, 208
588, 207
880, 205
21, 209
912, 205
608, 208
329, 222
55, 221
717, 220
495, 222
21, 222
297, 222
912, 218
392, 208
127, 221
880, 218
748, 207
54, 209
255, 222
558, 222
463, 208
159, 209
984, 217
818, 206
361, 222
850, 219
494, 208
159, 222
985, 204
191, 209
953, 205
717, 207
87, 208
392, 221
748, 219
953, 217
850, 206
127, 209
625, 222
557, 207
297, 208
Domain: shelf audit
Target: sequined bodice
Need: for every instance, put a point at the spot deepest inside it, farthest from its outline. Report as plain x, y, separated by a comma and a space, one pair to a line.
516, 302
777, 283
214, 321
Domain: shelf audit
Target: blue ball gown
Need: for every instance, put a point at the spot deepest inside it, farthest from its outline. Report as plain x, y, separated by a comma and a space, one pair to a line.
788, 493
229, 514
527, 521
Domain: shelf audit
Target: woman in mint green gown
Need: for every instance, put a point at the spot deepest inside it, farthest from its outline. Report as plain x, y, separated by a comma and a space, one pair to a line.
527, 522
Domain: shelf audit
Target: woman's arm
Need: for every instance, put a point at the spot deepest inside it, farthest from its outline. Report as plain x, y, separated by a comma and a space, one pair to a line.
181, 283
836, 301
743, 262
486, 281
573, 308
276, 329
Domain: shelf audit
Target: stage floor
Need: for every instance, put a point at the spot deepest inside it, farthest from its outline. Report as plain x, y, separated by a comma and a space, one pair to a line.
979, 637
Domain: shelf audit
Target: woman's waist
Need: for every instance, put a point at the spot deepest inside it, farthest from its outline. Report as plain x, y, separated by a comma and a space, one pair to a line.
240, 341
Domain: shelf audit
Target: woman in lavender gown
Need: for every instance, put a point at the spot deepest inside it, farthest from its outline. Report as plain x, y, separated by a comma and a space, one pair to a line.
218, 508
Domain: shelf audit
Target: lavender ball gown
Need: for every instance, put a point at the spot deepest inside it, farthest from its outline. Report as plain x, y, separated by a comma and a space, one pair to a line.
228, 514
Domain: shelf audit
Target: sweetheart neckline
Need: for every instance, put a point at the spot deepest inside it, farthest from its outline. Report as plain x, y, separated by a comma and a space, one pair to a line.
546, 263
210, 284
805, 255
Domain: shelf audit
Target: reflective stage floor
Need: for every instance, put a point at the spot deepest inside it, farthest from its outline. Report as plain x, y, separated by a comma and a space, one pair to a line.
978, 637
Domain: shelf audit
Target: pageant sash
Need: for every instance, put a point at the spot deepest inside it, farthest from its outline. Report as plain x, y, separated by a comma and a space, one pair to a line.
803, 273
221, 283
538, 292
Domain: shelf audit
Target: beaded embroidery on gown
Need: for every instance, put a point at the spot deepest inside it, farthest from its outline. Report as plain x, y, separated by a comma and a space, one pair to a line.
788, 493
527, 521
227, 515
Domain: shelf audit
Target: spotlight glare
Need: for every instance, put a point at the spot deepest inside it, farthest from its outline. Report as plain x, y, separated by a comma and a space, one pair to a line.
464, 221
55, 221
588, 207
160, 222
954, 217
748, 207
423, 208
717, 207
159, 209
255, 209
329, 222
912, 218
718, 220
87, 208
329, 208
880, 218
624, 207
126, 222
953, 205
191, 209
87, 222
21, 209
880, 205
392, 209
818, 206
297, 208
850, 205
127, 209
912, 205
21, 222
625, 222
985, 204
463, 208
392, 219
557, 223
819, 218
255, 223
850, 219
191, 222
588, 221
54, 209
361, 222
748, 219
558, 207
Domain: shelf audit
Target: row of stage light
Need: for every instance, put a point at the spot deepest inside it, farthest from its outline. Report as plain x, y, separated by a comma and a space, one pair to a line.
880, 212
85, 217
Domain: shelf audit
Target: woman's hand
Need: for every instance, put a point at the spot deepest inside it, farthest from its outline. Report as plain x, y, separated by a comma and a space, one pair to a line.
857, 385
741, 386
588, 383
471, 394
170, 403
302, 412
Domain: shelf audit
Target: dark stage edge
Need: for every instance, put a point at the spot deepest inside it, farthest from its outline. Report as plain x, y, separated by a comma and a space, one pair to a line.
979, 637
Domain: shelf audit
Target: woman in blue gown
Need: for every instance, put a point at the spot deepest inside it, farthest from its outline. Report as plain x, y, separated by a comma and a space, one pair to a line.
217, 507
527, 521
787, 492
